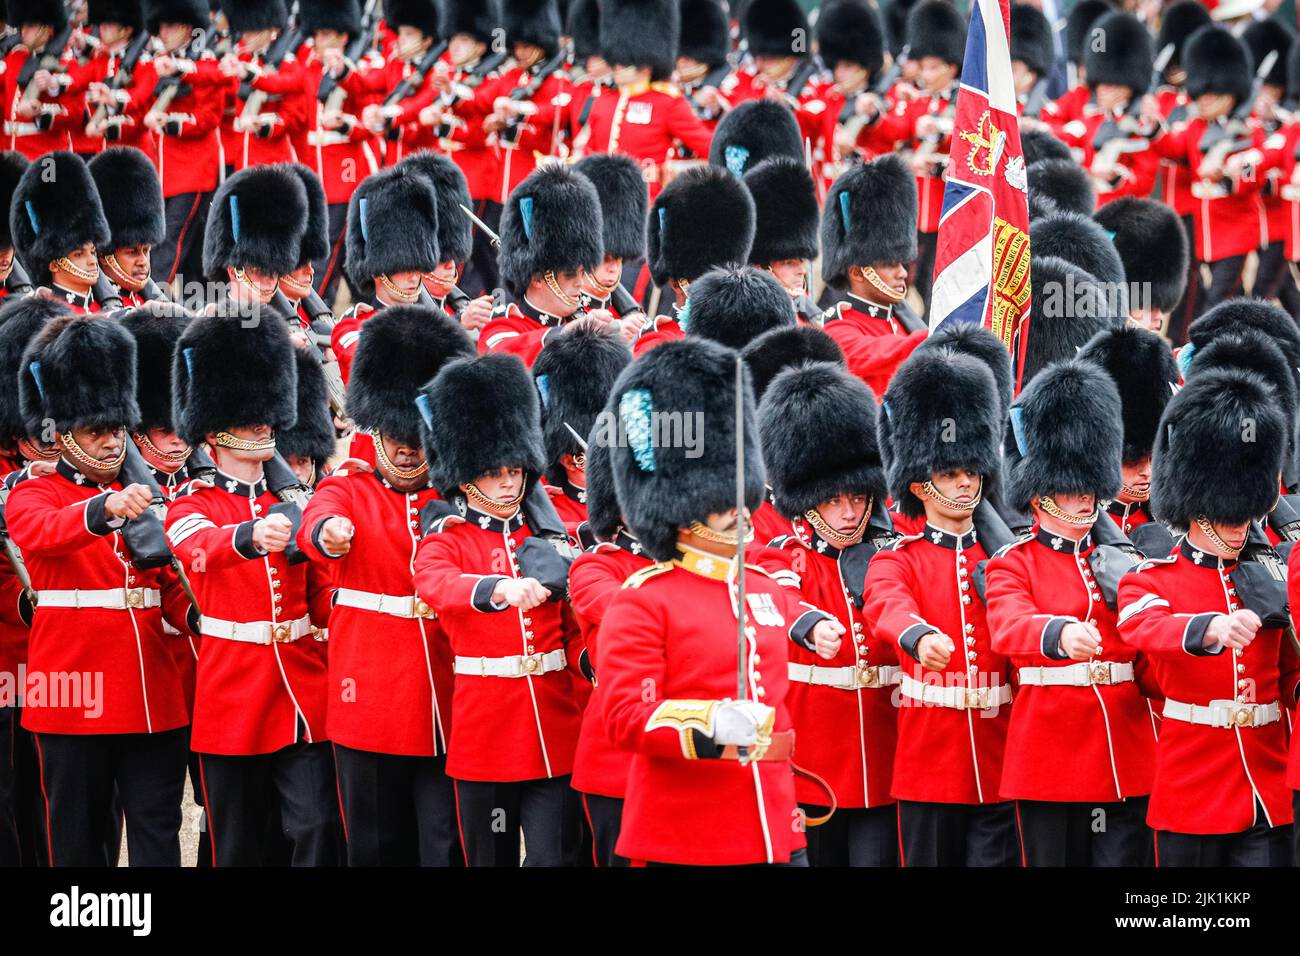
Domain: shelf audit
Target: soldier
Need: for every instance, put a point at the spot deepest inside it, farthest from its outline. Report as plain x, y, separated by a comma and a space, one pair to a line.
786, 220
702, 53
309, 444
818, 425
1047, 614
255, 138
1033, 54
1272, 276
1220, 794
390, 707
40, 117
131, 195
118, 24
1152, 245
944, 457
590, 74
299, 284
100, 609
12, 166
416, 25
623, 200
752, 132
850, 41
58, 225
865, 252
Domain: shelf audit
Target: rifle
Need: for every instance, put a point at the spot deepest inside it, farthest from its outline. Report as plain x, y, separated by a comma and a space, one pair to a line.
50, 59
12, 554
254, 100
329, 94
1221, 140
460, 92
509, 136
130, 59
333, 378
169, 87
9, 41
411, 84
1118, 136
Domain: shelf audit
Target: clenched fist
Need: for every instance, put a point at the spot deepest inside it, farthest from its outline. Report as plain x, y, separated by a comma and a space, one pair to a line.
933, 650
826, 636
272, 533
523, 593
131, 502
336, 536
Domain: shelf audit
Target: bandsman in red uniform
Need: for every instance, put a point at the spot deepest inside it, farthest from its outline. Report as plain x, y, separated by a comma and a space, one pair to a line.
119, 24
251, 138
623, 201
786, 221
131, 196
12, 166
1152, 245
40, 118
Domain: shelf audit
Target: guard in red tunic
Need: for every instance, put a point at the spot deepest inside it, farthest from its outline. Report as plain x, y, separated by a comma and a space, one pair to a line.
945, 437
299, 284
703, 52
1051, 612
786, 220
390, 697
498, 590
118, 730
1220, 795
623, 201
850, 41
11, 170
261, 136
818, 425
131, 195
43, 121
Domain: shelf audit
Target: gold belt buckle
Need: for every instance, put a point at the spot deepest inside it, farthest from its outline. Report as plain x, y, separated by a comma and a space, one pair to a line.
421, 609
977, 698
135, 597
868, 675
532, 663
1099, 674
1243, 716
280, 633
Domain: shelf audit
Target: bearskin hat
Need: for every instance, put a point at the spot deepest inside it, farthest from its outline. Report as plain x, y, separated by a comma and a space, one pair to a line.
1203, 466
79, 372
532, 21
343, 16
155, 348
706, 33
257, 220
1293, 74
403, 348
1152, 245
247, 16
1125, 57
786, 213
1068, 439
664, 481
785, 347
228, 373
641, 33
735, 305
752, 132
130, 193
1060, 185
967, 338
49, 12
1078, 239
869, 217
455, 231
421, 14
1217, 62
604, 515
312, 435
1235, 314
949, 405
1142, 367
574, 375
12, 167
476, 18
193, 13
1264, 37
773, 27
392, 226
818, 428
684, 239
551, 221
1041, 144
1031, 39
316, 234
936, 28
1078, 26
55, 209
895, 17
1069, 307
128, 13
583, 24
21, 318
482, 415
849, 31
1179, 21
623, 200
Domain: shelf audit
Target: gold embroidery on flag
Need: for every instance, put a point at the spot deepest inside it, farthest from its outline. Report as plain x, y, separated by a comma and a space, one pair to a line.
1010, 278
986, 136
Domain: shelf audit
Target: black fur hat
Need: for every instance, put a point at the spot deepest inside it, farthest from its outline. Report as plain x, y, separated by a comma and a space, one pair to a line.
316, 236
1078, 239
1068, 438
421, 14
551, 221
1068, 309
949, 405
786, 212
674, 457
641, 33
257, 219
623, 201
818, 426
455, 231
869, 217
228, 373
155, 348
786, 347
1079, 24
532, 21
1040, 144
1142, 367
582, 24
245, 16
21, 319
850, 31
1202, 466
1264, 37
130, 193
895, 17
476, 18
128, 13
50, 12
1125, 57
1060, 185
55, 209
706, 33
194, 13
978, 342
1178, 22
774, 28
702, 219
752, 132
78, 372
1217, 62
401, 349
392, 226
735, 305
312, 435
1152, 245
936, 28
12, 166
1235, 314
1031, 39
343, 16
482, 415
574, 375
604, 515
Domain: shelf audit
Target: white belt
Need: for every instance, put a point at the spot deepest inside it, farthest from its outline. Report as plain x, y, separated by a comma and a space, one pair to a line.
113, 599
960, 698
1223, 713
326, 137
394, 605
256, 632
846, 678
22, 129
1082, 674
525, 665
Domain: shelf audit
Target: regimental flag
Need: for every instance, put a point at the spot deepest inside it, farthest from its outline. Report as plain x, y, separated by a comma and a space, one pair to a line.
981, 268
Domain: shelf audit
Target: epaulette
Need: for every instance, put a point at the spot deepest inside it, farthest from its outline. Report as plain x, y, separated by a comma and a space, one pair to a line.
1014, 544
905, 539
642, 575
1153, 562
667, 89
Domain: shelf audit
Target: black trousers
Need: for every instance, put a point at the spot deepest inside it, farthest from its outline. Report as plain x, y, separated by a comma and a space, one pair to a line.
181, 251
81, 772
1260, 845
957, 834
329, 268
853, 836
481, 273
1225, 282
1085, 834
605, 817
1274, 279
491, 816
397, 811
927, 246
1189, 305
241, 794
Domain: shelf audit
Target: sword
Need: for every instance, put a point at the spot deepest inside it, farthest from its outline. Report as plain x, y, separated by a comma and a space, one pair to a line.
576, 437
487, 231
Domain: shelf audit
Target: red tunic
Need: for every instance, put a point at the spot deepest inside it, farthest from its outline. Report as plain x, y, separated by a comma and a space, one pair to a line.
571, 505
873, 342
64, 109
188, 153
537, 133
284, 98
340, 157
519, 329
899, 125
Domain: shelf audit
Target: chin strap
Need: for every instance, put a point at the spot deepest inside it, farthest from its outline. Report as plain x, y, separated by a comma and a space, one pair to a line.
227, 440
1207, 529
871, 275
387, 463
705, 533
71, 268
934, 494
395, 292
1049, 506
834, 537
81, 458
174, 458
501, 509
242, 278
549, 278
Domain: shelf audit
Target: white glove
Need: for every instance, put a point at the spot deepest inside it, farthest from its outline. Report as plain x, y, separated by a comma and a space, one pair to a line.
739, 722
